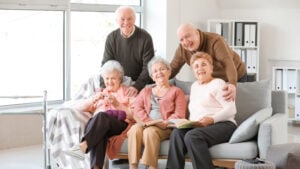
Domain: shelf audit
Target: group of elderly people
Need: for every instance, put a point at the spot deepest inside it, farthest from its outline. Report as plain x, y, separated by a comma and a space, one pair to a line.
160, 100
120, 111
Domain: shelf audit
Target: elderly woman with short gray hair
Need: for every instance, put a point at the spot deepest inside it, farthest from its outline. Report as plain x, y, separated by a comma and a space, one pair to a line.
112, 114
161, 102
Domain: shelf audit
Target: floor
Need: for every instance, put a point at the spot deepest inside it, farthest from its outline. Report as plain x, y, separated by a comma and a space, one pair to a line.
31, 157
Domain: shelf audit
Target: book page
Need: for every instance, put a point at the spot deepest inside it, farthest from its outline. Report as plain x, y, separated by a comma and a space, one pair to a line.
181, 123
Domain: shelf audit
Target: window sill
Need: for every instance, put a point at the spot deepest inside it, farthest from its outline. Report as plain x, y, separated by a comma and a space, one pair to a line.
37, 110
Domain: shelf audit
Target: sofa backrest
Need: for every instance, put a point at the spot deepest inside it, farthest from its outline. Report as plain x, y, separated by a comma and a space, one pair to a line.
251, 97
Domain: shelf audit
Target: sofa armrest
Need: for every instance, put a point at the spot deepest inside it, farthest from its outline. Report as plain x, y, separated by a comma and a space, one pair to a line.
272, 131
279, 101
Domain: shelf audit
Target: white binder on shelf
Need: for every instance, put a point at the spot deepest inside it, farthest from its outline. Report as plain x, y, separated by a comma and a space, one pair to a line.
285, 80
254, 59
241, 53
251, 61
226, 32
248, 61
219, 28
291, 80
278, 79
247, 35
252, 35
238, 41
297, 107
243, 56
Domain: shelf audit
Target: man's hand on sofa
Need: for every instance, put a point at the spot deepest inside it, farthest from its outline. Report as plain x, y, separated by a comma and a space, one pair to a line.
229, 92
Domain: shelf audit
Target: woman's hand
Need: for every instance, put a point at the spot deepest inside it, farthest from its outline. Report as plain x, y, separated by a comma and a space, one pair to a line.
205, 121
112, 100
162, 125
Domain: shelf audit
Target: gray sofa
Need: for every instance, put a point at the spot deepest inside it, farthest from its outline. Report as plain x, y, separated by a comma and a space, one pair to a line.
262, 122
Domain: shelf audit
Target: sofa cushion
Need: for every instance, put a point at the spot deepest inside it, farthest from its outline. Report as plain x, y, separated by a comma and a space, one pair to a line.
251, 97
184, 85
225, 150
249, 128
244, 150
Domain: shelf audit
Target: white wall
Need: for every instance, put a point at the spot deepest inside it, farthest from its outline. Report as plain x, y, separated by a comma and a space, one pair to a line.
18, 130
156, 23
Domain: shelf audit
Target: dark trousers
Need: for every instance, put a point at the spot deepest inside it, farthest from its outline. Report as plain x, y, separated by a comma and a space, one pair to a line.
196, 143
243, 78
98, 130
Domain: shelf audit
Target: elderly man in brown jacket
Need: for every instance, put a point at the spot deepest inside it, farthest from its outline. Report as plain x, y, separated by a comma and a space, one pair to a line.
227, 63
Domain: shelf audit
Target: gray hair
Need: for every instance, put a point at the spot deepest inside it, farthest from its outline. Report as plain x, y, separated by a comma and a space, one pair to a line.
111, 66
117, 12
156, 60
186, 26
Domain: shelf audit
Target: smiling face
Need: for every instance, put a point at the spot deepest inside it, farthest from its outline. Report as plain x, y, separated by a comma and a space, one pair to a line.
160, 73
189, 37
125, 20
202, 69
112, 81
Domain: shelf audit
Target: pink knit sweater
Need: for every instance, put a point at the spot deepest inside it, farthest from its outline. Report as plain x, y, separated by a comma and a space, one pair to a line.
172, 105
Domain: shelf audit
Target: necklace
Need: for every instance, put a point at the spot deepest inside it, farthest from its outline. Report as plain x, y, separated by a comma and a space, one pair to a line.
160, 91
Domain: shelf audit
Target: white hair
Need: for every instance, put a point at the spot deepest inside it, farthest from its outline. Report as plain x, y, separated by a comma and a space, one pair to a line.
117, 12
158, 59
110, 66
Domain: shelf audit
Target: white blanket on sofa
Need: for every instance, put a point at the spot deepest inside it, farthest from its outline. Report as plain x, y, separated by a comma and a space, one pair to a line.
65, 127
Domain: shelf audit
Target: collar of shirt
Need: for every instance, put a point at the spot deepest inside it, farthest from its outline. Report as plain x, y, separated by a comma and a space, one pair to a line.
129, 34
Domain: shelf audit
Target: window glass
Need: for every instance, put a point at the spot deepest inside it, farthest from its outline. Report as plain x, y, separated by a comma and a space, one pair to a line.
31, 55
110, 2
88, 35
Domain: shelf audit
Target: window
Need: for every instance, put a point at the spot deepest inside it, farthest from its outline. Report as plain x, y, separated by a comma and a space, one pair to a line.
31, 55
52, 47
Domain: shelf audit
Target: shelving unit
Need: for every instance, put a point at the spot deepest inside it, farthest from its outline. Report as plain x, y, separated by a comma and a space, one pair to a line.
288, 79
243, 37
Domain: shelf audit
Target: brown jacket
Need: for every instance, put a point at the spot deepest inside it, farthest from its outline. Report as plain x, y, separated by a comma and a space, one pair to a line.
227, 63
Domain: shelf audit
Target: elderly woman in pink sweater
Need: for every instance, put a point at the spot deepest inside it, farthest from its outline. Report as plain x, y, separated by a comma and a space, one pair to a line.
112, 116
160, 101
214, 116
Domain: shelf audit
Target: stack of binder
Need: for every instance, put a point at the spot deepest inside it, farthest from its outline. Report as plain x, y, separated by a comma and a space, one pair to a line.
245, 34
285, 79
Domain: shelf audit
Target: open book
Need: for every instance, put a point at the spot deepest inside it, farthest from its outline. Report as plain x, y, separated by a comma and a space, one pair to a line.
174, 123
181, 123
